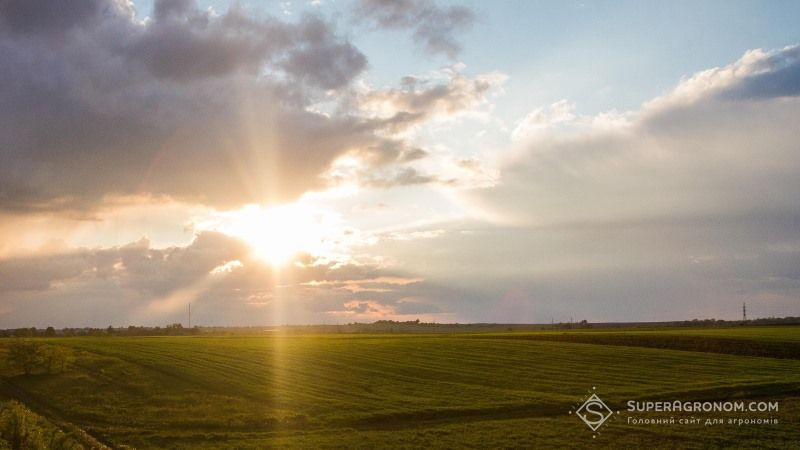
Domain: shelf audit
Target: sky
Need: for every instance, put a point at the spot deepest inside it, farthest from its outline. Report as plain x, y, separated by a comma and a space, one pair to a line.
304, 162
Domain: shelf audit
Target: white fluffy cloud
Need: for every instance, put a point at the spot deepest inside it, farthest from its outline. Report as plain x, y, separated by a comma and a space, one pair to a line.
723, 142
685, 208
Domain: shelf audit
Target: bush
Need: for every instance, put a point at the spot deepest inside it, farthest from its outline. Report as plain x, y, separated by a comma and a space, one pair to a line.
25, 355
56, 358
20, 429
32, 357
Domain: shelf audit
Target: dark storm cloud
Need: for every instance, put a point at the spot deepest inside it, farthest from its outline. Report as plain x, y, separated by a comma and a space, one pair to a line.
190, 104
433, 27
51, 16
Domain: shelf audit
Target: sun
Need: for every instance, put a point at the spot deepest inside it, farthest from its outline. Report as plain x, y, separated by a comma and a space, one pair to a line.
278, 234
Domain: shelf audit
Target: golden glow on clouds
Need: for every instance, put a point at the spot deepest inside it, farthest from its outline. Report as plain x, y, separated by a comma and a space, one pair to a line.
378, 284
227, 267
278, 234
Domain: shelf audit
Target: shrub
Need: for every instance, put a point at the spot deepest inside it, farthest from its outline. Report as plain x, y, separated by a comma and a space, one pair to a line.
32, 357
22, 429
25, 355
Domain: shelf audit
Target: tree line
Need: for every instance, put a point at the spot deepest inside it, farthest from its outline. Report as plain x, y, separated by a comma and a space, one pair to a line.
174, 329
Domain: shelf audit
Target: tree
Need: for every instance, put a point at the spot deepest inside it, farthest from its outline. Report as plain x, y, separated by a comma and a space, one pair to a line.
25, 355
31, 357
50, 331
57, 358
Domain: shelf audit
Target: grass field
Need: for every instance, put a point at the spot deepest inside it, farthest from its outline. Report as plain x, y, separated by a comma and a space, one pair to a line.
410, 390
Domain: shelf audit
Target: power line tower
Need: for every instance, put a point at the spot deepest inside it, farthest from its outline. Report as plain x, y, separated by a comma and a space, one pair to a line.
744, 312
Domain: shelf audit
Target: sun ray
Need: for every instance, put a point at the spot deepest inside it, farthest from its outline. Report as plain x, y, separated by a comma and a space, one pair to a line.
277, 234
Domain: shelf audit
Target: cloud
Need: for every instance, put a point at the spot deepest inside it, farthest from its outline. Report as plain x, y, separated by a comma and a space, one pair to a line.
758, 74
677, 209
39, 273
685, 208
408, 306
379, 284
135, 265
369, 310
220, 275
708, 148
443, 94
324, 60
673, 212
636, 271
199, 107
55, 18
400, 177
218, 109
190, 104
418, 234
397, 113
542, 120
433, 27
389, 152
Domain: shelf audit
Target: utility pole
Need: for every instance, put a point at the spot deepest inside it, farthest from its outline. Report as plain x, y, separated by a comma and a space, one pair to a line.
744, 312
190, 315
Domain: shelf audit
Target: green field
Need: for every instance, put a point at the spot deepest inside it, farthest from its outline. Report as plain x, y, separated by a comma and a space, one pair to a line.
511, 390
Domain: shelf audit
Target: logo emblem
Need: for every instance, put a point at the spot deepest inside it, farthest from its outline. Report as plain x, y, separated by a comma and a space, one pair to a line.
594, 412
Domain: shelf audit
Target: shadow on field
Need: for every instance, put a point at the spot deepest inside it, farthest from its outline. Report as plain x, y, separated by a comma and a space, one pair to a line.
730, 346
426, 418
406, 419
